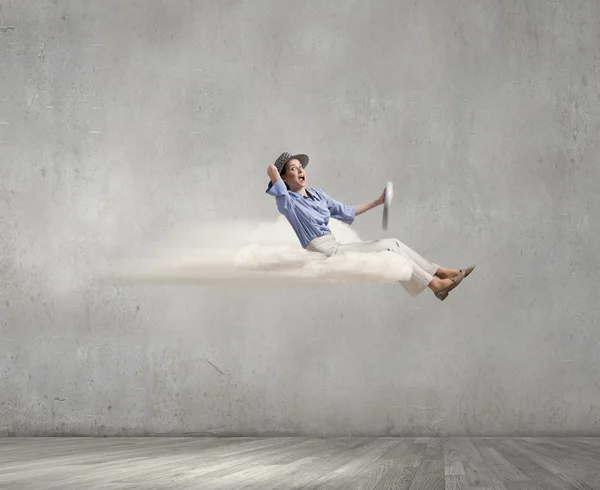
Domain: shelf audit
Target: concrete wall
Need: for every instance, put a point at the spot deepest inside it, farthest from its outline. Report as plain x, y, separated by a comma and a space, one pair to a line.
123, 120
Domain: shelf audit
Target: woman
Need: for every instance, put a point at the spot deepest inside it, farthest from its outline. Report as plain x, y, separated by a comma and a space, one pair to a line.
308, 211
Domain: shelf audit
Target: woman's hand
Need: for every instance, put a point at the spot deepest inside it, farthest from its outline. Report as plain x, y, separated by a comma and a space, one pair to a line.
273, 173
381, 198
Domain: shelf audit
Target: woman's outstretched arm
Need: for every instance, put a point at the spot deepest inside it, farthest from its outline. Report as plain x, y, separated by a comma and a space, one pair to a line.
363, 208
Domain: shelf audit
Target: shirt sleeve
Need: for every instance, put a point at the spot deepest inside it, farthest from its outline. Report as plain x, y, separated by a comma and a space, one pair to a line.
338, 210
282, 197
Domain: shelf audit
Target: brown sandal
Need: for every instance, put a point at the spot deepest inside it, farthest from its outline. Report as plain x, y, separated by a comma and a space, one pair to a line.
456, 280
468, 271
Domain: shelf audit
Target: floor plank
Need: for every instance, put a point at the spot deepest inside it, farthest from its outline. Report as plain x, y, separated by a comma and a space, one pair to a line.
478, 472
402, 475
503, 468
533, 470
430, 473
307, 467
369, 466
551, 460
288, 463
153, 456
371, 474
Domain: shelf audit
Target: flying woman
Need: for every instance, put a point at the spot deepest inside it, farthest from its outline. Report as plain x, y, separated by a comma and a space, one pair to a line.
308, 211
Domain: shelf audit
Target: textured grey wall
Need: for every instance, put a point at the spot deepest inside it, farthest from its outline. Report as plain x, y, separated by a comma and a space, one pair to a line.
122, 120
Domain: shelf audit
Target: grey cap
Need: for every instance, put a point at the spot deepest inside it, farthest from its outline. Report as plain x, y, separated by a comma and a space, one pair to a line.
286, 157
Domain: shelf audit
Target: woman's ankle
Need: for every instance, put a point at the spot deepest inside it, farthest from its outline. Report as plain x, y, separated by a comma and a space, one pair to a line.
437, 284
442, 273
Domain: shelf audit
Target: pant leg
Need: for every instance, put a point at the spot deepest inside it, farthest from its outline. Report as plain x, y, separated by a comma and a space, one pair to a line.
422, 269
425, 264
326, 245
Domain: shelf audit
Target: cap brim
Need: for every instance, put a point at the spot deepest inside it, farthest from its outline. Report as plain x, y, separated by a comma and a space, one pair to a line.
302, 158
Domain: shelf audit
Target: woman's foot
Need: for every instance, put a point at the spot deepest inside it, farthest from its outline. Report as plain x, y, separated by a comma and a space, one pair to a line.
443, 273
437, 284
442, 287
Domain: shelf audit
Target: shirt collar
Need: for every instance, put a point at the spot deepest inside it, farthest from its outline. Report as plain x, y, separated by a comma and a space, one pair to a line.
312, 195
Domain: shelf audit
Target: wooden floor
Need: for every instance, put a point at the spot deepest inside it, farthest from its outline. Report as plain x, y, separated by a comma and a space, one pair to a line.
307, 463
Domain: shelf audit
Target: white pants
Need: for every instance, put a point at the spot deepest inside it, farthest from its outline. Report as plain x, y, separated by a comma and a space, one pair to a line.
422, 269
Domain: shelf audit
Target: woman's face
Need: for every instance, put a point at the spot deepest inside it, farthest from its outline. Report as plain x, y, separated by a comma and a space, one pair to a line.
294, 175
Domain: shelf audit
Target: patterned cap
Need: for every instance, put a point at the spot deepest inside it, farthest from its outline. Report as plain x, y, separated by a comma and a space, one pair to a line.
286, 157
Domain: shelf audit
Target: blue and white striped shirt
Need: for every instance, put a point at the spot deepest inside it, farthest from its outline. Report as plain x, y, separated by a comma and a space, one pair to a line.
309, 215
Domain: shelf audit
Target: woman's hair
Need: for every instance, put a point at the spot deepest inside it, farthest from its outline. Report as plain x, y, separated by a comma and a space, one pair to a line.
282, 173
